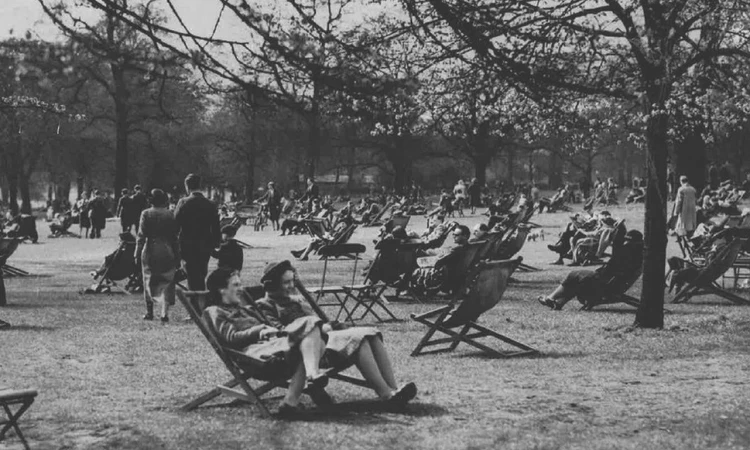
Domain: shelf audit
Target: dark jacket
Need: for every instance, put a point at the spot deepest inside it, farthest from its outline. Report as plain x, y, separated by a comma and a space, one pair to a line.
138, 202
198, 222
626, 259
229, 255
97, 212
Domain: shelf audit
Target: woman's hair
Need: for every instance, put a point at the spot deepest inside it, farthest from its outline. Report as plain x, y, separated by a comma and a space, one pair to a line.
272, 274
218, 280
159, 198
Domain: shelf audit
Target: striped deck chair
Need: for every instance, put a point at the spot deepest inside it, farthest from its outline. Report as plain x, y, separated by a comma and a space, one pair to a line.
487, 283
242, 367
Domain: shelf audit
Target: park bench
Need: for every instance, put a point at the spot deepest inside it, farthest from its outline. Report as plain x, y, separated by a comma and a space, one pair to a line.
20, 400
486, 284
243, 368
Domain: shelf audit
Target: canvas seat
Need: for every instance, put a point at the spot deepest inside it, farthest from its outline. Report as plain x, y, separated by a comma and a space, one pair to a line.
120, 265
706, 282
614, 292
273, 374
485, 287
20, 400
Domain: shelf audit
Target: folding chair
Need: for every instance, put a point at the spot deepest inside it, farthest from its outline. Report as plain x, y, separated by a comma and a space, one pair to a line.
401, 221
392, 261
241, 366
8, 246
706, 281
364, 295
487, 283
377, 218
615, 292
22, 399
512, 244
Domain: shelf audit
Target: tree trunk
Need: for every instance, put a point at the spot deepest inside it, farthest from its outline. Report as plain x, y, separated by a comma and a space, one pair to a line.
511, 161
555, 169
121, 130
23, 187
250, 179
480, 168
650, 312
691, 159
13, 190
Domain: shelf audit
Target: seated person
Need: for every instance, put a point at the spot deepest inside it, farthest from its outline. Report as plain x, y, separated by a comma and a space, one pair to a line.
125, 248
568, 238
437, 273
479, 232
316, 243
363, 345
60, 224
370, 213
635, 195
681, 272
23, 226
590, 285
230, 253
244, 328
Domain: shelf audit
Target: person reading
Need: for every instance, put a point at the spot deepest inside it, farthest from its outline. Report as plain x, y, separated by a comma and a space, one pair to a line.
363, 345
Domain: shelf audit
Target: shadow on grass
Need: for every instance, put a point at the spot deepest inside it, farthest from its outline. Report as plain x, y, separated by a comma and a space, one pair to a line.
541, 355
27, 327
356, 412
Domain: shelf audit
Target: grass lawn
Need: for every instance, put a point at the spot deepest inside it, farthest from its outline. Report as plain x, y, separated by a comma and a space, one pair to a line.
107, 379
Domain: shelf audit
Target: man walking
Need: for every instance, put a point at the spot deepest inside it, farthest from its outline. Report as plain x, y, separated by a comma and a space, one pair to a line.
199, 232
138, 202
124, 211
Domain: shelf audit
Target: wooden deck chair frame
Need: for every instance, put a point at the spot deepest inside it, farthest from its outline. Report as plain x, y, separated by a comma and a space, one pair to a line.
8, 246
407, 252
401, 221
377, 218
616, 292
706, 281
342, 237
20, 399
497, 273
237, 363
512, 244
316, 228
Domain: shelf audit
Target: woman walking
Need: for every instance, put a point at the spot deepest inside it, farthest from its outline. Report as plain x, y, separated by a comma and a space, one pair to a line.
158, 253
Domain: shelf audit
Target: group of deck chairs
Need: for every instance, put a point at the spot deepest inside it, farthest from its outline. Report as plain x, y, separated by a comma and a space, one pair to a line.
707, 260
485, 278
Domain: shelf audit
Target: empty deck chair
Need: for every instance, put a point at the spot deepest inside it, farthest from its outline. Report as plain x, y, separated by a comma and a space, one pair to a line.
487, 283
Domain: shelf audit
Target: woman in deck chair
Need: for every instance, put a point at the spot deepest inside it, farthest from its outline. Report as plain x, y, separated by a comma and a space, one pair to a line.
363, 345
589, 284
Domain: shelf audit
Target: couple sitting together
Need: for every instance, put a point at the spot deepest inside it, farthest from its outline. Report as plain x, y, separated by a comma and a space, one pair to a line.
281, 325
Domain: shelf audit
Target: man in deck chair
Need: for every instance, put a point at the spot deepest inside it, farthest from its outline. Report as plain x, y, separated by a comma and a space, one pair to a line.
436, 273
680, 272
590, 285
60, 225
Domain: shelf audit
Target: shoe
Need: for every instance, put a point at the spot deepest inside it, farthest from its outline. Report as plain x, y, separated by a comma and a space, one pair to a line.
165, 319
148, 316
320, 397
317, 382
297, 253
303, 259
287, 411
558, 262
573, 264
401, 397
548, 302
554, 248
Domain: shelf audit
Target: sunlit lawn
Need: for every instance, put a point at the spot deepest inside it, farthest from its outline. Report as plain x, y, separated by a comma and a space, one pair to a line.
106, 379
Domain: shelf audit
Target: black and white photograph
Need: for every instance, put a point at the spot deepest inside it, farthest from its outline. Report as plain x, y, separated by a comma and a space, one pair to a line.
374, 224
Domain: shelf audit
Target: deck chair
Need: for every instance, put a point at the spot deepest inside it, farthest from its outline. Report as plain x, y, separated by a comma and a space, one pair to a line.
512, 244
401, 221
706, 281
365, 295
377, 218
8, 246
615, 292
392, 261
587, 249
242, 367
487, 283
341, 237
119, 265
20, 400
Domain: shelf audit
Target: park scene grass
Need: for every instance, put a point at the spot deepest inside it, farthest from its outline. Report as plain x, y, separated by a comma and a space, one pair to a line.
107, 379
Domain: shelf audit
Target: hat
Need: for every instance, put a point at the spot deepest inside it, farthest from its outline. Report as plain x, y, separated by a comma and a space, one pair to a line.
228, 229
274, 270
218, 279
683, 179
634, 235
137, 187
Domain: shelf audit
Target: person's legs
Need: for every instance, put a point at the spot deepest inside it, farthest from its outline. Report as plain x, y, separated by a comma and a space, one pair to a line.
196, 267
559, 297
383, 361
296, 386
371, 372
312, 348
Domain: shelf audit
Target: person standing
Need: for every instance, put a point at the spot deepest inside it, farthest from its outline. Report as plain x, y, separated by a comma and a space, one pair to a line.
97, 215
159, 254
199, 232
713, 176
475, 195
124, 211
311, 193
685, 208
82, 209
272, 197
138, 202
